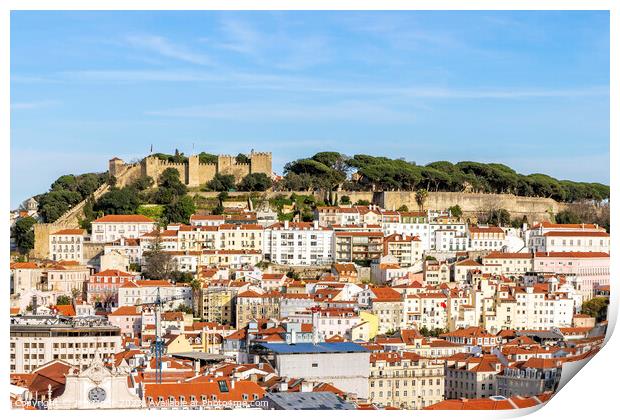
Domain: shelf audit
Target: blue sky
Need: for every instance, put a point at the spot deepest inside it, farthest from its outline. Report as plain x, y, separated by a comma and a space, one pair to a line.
528, 89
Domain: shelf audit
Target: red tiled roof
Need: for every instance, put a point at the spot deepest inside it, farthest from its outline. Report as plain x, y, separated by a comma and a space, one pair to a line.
124, 218
70, 232
577, 233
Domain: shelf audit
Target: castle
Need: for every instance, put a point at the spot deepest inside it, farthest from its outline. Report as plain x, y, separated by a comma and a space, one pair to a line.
192, 173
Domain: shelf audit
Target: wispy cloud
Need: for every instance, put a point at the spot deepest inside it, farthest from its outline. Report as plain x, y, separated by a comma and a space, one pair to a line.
275, 47
279, 82
260, 111
166, 48
33, 105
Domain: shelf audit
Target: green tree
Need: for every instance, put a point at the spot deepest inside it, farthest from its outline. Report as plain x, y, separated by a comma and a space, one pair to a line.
596, 307
403, 208
23, 232
143, 183
118, 201
185, 309
54, 204
255, 182
456, 211
420, 197
207, 158
157, 263
498, 217
567, 216
221, 182
180, 210
345, 199
170, 180
63, 300
242, 159
181, 277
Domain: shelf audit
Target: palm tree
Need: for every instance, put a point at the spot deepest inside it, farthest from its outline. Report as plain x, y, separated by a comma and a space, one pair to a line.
420, 197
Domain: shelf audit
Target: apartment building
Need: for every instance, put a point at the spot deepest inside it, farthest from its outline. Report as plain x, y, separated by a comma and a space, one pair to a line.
590, 268
68, 277
140, 292
510, 263
103, 286
405, 380
406, 249
299, 243
37, 340
112, 227
255, 305
538, 240
67, 245
483, 238
217, 304
471, 376
357, 246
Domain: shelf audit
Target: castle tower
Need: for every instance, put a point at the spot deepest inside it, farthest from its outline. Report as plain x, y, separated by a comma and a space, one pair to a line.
115, 165
260, 162
193, 171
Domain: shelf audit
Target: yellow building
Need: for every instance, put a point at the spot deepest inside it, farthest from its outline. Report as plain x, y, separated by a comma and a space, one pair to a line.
217, 304
405, 380
254, 305
373, 321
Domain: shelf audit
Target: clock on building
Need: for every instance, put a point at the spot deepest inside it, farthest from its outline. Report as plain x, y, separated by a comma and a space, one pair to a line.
96, 395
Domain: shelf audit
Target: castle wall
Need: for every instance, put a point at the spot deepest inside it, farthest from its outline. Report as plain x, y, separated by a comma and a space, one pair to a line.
154, 167
472, 204
227, 165
195, 174
206, 172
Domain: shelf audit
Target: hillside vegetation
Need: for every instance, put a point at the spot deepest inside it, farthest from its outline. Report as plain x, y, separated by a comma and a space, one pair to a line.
322, 171
328, 170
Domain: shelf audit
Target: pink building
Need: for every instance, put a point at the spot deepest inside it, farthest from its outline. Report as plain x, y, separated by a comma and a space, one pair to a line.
128, 319
591, 268
103, 286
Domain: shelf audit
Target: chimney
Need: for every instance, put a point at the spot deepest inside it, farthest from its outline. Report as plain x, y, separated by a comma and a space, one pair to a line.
316, 224
286, 224
293, 337
232, 383
197, 367
283, 386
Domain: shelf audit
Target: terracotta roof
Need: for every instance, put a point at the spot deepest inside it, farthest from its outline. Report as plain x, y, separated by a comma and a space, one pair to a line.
70, 232
124, 218
109, 273
572, 255
126, 311
66, 310
577, 233
386, 294
512, 255
23, 265
221, 390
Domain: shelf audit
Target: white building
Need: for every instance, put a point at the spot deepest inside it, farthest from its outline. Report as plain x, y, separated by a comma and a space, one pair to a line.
67, 245
486, 238
35, 341
112, 227
138, 292
566, 237
298, 243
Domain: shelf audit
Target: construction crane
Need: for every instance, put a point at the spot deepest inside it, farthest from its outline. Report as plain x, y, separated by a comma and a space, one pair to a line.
157, 347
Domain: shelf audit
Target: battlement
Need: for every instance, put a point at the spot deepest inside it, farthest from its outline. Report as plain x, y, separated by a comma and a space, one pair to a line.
192, 172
